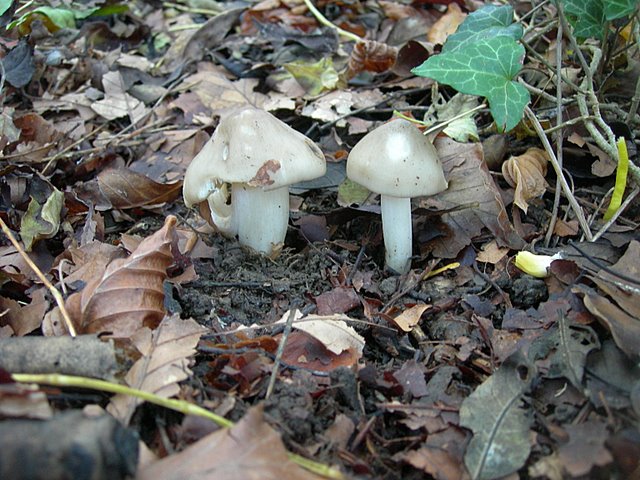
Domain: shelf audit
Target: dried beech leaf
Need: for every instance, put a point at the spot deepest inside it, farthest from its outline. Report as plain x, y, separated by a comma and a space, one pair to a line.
24, 400
526, 174
250, 450
129, 295
410, 317
625, 329
470, 184
447, 24
338, 300
215, 91
305, 351
625, 294
585, 448
331, 330
24, 319
128, 189
370, 56
164, 362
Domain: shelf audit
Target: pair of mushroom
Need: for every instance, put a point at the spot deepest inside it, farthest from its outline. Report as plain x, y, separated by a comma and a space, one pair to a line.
260, 156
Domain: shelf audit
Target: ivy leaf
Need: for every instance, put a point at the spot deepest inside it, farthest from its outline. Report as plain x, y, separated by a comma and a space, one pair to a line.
488, 22
586, 17
485, 68
614, 9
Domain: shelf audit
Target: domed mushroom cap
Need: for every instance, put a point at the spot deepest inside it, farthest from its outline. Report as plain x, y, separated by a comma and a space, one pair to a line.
395, 159
253, 147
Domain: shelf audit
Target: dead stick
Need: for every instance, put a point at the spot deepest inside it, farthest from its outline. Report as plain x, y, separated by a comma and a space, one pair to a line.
563, 181
54, 291
283, 341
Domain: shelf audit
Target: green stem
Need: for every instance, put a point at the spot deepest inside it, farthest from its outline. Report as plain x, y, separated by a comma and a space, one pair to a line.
176, 405
327, 23
621, 179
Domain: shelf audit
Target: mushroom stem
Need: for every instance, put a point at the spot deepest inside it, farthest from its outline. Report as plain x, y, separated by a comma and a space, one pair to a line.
396, 228
261, 216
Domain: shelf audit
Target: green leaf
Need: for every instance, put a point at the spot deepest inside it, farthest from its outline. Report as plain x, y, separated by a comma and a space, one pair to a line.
41, 221
5, 5
350, 193
485, 68
487, 22
315, 77
103, 11
614, 9
61, 17
586, 17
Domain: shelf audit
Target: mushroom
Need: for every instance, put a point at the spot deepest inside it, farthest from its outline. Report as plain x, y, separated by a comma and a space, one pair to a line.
259, 156
398, 162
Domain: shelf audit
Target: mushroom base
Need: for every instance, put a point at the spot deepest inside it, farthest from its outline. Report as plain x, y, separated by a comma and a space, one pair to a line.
261, 217
396, 229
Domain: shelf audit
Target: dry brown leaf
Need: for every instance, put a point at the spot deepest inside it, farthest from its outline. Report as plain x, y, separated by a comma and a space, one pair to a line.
437, 462
23, 400
471, 185
129, 295
117, 102
447, 24
338, 300
250, 450
24, 319
569, 228
526, 174
410, 317
625, 294
164, 362
624, 328
492, 253
210, 34
304, 351
370, 56
127, 189
331, 330
585, 448
88, 261
322, 343
220, 94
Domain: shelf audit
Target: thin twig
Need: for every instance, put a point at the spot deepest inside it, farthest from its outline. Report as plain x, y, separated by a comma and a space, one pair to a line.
558, 135
618, 212
213, 12
563, 181
61, 153
327, 23
278, 359
635, 100
54, 291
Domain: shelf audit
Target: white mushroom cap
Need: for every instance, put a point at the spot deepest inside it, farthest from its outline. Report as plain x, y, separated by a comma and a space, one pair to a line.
255, 148
259, 156
396, 159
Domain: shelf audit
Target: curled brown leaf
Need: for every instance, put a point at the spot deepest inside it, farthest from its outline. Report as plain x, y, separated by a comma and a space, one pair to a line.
129, 294
526, 174
371, 56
